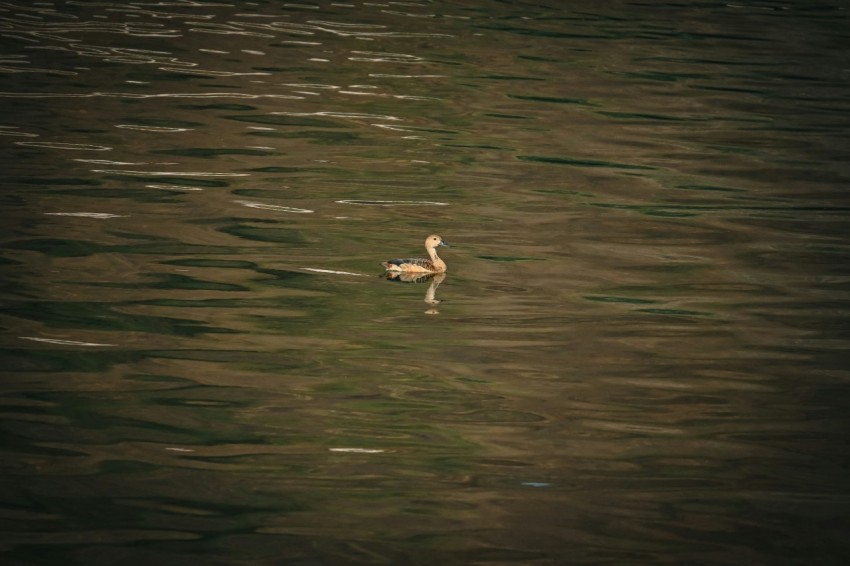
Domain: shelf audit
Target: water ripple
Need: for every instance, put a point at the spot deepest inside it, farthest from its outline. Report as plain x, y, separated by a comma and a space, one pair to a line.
274, 207
61, 342
378, 57
9, 131
13, 64
56, 31
392, 202
103, 215
151, 128
226, 29
202, 95
647, 319
170, 173
351, 115
174, 187
331, 271
61, 145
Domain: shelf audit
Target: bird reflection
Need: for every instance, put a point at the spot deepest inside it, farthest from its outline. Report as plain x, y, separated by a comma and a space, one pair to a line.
431, 294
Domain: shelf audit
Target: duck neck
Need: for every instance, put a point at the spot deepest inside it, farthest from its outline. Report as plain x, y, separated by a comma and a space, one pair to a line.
439, 265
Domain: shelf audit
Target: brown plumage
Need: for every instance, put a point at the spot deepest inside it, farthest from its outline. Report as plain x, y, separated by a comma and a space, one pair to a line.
430, 264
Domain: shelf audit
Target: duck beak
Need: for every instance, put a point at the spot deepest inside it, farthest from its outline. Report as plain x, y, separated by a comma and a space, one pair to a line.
442, 243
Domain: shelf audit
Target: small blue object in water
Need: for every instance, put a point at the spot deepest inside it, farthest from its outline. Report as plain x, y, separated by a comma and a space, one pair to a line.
536, 484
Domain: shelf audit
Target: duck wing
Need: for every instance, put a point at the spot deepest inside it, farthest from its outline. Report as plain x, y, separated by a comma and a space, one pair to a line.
420, 261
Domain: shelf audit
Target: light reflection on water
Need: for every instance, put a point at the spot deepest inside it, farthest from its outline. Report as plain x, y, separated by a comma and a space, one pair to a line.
638, 353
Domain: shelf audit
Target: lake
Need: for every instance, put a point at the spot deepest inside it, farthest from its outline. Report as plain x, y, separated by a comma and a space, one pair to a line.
638, 355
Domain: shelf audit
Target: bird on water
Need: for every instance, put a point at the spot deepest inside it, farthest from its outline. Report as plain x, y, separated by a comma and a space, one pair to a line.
430, 264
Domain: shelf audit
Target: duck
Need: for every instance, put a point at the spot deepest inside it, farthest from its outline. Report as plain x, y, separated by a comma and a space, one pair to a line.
430, 264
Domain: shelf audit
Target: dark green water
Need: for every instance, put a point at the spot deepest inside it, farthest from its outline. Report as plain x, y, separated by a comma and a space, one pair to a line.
639, 353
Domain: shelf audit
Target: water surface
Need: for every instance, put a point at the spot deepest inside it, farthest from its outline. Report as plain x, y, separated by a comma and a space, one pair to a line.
638, 355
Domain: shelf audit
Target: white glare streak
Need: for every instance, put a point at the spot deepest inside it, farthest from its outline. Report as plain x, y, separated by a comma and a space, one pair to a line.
388, 76
174, 187
353, 115
60, 145
62, 342
169, 173
332, 271
392, 202
143, 96
152, 128
86, 214
274, 207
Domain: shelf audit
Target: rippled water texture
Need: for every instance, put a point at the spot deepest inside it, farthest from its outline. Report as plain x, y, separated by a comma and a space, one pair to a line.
638, 355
